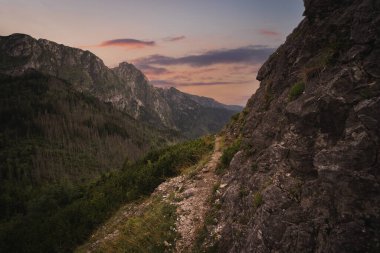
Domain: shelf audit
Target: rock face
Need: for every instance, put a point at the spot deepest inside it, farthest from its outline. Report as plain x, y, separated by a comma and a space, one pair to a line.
309, 160
148, 104
196, 115
54, 133
125, 86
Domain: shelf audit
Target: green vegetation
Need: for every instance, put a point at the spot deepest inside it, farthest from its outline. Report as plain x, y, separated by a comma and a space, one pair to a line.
326, 56
257, 199
228, 154
235, 117
295, 190
199, 121
152, 231
193, 170
49, 132
296, 90
54, 142
238, 120
243, 191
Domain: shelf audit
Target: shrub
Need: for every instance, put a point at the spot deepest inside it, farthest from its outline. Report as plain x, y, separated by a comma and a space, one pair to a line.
235, 117
65, 216
151, 232
227, 155
296, 90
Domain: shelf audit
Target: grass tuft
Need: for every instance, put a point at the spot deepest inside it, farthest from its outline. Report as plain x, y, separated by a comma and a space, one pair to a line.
227, 156
257, 199
296, 90
153, 231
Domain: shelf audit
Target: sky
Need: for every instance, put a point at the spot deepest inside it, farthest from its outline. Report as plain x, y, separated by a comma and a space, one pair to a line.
211, 48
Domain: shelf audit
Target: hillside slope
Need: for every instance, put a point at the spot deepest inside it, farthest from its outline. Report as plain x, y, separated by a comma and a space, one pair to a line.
142, 226
53, 138
50, 132
60, 217
306, 175
125, 86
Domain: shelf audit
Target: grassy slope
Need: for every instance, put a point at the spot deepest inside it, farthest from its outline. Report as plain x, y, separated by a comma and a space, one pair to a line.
146, 225
54, 140
63, 217
49, 131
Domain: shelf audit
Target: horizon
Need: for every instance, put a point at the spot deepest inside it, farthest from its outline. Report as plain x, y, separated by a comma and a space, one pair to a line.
190, 46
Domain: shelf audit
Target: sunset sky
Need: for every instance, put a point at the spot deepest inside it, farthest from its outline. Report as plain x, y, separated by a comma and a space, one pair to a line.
204, 47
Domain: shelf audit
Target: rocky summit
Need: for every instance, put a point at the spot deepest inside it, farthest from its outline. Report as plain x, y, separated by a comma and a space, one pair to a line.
125, 86
306, 176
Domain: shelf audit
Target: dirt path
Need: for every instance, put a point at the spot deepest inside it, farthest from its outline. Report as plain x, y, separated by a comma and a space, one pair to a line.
190, 193
192, 209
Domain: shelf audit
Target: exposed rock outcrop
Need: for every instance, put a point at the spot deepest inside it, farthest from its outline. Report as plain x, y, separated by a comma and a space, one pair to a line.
125, 86
308, 165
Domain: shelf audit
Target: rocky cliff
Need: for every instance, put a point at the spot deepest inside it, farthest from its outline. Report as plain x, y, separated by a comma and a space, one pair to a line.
125, 86
306, 178
50, 132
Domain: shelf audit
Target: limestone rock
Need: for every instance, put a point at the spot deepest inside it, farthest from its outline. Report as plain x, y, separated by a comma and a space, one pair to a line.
309, 167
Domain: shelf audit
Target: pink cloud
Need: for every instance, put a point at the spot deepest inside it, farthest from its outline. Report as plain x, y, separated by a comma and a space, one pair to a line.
269, 32
171, 39
129, 43
175, 83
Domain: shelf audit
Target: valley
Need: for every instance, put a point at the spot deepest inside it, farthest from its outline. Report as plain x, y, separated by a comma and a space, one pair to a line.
190, 194
97, 159
63, 132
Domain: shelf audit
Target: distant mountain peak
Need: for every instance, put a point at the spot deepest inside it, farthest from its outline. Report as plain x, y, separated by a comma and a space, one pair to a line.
125, 86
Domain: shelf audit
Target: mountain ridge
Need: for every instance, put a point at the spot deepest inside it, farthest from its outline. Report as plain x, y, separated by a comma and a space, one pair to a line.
296, 171
124, 86
50, 132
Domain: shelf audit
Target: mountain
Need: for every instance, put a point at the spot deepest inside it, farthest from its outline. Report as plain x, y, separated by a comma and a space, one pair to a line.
50, 132
54, 142
69, 128
298, 168
305, 176
196, 115
296, 171
125, 86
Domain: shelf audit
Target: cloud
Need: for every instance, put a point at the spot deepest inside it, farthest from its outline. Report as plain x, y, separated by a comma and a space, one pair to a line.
169, 83
249, 54
171, 39
245, 69
151, 70
129, 43
163, 83
269, 32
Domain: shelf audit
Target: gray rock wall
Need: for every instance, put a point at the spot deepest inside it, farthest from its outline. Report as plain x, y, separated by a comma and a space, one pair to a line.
307, 176
126, 87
